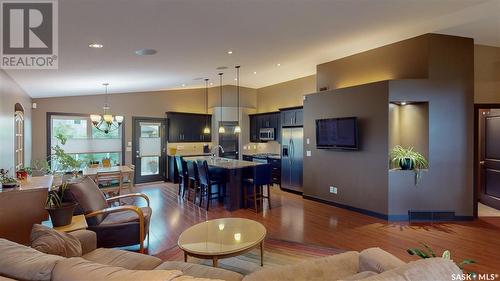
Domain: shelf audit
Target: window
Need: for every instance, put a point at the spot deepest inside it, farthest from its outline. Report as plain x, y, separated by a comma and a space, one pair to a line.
19, 136
84, 141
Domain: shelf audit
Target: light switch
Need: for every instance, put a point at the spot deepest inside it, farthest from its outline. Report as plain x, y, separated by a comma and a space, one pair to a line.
308, 153
129, 143
128, 148
308, 140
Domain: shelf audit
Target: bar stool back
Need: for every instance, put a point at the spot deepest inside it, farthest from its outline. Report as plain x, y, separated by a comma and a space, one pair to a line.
262, 176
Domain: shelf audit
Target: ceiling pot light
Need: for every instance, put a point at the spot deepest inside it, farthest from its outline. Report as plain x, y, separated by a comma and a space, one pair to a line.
229, 52
145, 52
237, 129
403, 103
255, 72
278, 65
222, 130
96, 45
206, 130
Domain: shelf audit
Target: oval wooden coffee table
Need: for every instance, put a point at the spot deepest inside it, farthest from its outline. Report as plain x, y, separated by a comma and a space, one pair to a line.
222, 238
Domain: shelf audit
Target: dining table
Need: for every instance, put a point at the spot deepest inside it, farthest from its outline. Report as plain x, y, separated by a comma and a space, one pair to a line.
233, 170
125, 170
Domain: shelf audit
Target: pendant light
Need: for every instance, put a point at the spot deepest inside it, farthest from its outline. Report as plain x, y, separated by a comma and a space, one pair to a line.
237, 129
106, 122
222, 130
206, 130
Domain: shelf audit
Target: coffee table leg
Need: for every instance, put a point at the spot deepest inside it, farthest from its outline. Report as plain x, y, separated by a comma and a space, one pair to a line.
262, 253
185, 256
215, 262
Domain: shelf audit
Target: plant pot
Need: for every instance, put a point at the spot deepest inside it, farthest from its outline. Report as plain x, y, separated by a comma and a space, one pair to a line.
10, 185
62, 216
406, 164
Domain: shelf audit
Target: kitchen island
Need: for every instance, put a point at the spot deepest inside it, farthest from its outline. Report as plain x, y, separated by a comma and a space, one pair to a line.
233, 170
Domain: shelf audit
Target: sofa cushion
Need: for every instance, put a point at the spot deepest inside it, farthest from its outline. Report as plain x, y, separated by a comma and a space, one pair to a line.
201, 271
359, 276
24, 263
87, 238
50, 241
127, 216
6, 279
125, 259
79, 269
377, 260
89, 197
432, 269
327, 268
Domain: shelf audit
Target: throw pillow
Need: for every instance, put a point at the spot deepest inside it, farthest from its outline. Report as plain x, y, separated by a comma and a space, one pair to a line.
50, 241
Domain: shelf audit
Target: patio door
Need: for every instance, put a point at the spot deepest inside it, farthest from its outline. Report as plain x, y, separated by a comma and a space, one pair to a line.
148, 149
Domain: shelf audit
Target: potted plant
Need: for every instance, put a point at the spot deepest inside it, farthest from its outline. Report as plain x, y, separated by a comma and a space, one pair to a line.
65, 161
61, 213
407, 158
24, 173
6, 180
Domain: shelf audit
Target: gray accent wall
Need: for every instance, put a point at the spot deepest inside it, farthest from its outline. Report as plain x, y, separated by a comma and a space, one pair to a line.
435, 69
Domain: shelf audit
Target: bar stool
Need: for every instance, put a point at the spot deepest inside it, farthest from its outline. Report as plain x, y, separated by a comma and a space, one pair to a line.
193, 180
207, 182
183, 177
262, 175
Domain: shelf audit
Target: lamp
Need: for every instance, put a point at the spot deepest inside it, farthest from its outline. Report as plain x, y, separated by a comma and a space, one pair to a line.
106, 122
237, 129
206, 130
222, 130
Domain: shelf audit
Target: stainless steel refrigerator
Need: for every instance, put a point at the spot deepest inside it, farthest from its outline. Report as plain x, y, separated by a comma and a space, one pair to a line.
292, 158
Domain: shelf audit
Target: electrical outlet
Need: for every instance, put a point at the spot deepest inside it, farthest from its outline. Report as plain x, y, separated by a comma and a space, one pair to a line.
333, 189
308, 153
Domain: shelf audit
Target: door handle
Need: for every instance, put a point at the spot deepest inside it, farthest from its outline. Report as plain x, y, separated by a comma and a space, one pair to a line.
481, 163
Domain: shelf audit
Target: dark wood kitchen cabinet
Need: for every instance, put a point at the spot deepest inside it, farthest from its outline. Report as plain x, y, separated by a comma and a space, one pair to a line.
264, 120
188, 127
292, 117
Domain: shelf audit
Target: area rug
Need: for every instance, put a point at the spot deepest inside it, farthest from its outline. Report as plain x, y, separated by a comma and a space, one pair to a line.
276, 252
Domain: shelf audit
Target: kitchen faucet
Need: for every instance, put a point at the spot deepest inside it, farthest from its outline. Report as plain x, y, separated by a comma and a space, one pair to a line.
218, 151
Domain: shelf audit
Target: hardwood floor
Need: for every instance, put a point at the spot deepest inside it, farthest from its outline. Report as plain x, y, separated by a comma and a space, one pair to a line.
293, 218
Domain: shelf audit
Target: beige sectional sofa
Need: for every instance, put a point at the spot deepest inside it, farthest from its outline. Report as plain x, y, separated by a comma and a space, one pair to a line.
18, 262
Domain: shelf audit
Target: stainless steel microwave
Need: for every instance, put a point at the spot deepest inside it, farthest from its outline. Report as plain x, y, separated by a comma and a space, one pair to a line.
266, 134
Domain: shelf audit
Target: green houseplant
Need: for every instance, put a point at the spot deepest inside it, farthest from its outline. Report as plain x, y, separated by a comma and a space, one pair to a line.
60, 212
6, 180
65, 161
407, 158
427, 252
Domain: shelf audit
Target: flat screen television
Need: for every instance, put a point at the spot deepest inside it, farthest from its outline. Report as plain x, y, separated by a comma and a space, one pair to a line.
340, 133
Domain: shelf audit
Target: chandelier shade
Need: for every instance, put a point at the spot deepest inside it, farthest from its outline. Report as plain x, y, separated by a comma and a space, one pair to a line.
106, 122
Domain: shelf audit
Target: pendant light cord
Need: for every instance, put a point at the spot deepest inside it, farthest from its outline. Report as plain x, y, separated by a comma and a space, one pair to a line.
238, 91
206, 102
221, 119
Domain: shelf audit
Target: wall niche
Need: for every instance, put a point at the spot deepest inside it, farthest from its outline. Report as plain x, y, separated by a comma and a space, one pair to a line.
409, 126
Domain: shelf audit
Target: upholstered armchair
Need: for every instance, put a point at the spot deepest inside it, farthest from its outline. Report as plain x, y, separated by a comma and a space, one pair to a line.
115, 226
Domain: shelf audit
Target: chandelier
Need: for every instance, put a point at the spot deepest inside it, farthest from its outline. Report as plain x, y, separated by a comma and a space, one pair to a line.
106, 122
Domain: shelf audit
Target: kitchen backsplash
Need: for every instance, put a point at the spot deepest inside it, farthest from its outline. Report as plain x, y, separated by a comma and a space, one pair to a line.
186, 148
266, 147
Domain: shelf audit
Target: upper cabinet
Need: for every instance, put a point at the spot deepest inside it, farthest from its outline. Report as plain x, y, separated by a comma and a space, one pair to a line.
264, 120
292, 117
188, 127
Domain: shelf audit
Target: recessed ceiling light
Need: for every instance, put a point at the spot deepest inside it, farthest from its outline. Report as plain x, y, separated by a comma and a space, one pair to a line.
96, 45
221, 67
255, 72
279, 64
211, 83
229, 52
235, 79
403, 103
183, 85
145, 52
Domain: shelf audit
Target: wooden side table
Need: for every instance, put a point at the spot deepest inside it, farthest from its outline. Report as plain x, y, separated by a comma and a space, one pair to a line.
77, 223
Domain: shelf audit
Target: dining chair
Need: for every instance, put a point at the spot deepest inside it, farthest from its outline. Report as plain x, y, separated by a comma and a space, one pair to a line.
110, 178
128, 178
262, 176
183, 177
193, 179
106, 162
207, 182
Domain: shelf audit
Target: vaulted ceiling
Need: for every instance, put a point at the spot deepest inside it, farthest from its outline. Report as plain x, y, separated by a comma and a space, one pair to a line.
193, 38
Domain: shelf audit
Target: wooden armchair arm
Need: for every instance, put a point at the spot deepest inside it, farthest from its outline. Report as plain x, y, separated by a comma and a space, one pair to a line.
116, 198
127, 208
